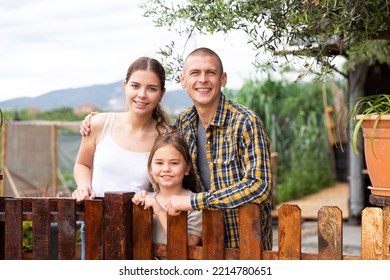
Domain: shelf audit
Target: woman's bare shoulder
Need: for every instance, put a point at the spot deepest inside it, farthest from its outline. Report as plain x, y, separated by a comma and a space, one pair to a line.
97, 122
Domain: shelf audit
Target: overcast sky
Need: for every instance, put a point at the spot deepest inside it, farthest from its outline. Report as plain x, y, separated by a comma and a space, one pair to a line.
48, 45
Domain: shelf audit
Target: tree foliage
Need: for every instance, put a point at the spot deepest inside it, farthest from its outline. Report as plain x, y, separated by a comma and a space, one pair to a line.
310, 33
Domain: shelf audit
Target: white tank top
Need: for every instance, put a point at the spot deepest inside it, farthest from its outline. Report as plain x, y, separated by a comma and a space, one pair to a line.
117, 169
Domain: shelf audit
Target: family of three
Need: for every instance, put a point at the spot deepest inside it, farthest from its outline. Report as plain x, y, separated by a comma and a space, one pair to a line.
217, 157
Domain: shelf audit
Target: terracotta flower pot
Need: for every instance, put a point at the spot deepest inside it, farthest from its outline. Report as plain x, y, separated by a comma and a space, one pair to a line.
377, 154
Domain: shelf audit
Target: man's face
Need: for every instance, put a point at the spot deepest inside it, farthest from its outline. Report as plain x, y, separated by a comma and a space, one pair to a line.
203, 78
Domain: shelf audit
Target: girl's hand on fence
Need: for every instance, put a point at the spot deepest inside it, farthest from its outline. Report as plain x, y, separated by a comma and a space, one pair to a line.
139, 197
151, 201
83, 192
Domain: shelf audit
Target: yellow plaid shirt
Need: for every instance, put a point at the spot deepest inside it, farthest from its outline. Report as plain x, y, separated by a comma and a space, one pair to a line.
238, 154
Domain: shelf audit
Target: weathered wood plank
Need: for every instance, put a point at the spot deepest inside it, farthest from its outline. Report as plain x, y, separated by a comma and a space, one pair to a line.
66, 229
13, 229
2, 229
94, 244
177, 237
330, 233
372, 233
386, 233
116, 227
143, 233
289, 230
250, 232
213, 235
118, 220
41, 228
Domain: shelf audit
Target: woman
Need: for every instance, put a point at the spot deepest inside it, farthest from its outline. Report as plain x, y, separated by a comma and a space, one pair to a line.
113, 157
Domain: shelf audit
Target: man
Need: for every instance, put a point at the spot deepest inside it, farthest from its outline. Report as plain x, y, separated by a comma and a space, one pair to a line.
229, 148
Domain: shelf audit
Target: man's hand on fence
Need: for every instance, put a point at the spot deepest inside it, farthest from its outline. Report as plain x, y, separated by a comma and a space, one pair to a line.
178, 203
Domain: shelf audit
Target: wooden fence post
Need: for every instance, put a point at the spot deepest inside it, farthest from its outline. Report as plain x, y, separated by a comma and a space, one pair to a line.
2, 229
41, 228
177, 237
13, 229
372, 233
213, 235
93, 218
386, 233
118, 221
330, 234
66, 229
250, 232
289, 232
142, 233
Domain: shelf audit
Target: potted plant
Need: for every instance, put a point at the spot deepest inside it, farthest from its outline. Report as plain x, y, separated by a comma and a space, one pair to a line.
371, 115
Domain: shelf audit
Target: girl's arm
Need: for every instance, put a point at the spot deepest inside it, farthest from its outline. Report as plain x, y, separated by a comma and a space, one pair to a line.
193, 240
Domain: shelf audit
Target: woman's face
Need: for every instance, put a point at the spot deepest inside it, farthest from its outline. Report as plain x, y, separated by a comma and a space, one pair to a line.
143, 91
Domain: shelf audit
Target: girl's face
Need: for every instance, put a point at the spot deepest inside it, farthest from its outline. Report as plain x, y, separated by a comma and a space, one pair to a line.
143, 91
168, 167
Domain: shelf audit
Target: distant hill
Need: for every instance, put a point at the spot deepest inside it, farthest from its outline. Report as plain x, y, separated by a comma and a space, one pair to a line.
107, 97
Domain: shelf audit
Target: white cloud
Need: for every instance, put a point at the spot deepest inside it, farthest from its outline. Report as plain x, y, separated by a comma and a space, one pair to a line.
56, 44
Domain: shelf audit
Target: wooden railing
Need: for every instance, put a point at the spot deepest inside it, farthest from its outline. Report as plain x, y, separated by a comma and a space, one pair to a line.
117, 229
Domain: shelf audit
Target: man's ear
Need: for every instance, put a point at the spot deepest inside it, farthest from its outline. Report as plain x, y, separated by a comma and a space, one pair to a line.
224, 79
182, 80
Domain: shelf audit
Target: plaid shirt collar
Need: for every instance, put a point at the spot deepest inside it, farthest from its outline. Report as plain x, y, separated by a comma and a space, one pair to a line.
220, 114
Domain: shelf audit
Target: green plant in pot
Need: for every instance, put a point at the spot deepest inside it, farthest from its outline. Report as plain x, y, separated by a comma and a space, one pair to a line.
371, 114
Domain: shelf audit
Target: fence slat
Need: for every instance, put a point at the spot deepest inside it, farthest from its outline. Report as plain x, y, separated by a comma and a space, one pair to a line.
41, 228
372, 233
118, 220
250, 232
177, 237
110, 235
330, 233
142, 233
289, 232
213, 235
66, 229
13, 229
2, 229
94, 242
386, 233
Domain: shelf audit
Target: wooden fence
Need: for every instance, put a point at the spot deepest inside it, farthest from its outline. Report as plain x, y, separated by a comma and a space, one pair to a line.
117, 229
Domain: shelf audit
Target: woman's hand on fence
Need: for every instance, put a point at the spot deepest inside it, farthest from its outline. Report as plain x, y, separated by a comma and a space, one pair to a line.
85, 126
83, 192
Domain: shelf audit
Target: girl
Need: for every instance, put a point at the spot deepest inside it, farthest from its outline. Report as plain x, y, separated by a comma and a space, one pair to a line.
171, 173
